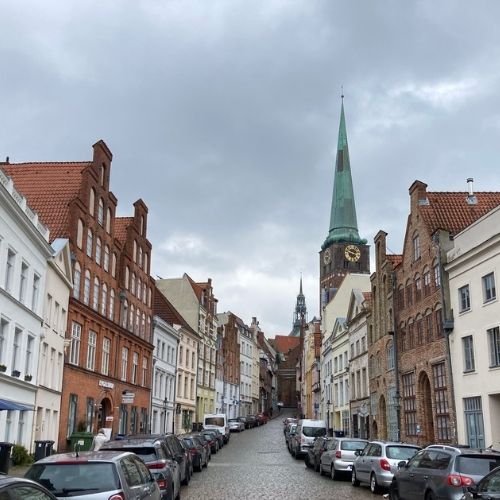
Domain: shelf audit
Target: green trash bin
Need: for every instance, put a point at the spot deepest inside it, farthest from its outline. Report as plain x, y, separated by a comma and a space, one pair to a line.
82, 439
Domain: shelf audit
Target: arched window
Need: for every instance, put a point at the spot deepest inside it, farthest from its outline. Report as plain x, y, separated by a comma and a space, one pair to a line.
92, 201
127, 277
77, 278
90, 243
416, 246
79, 234
98, 251
125, 313
137, 320
139, 288
134, 251
111, 304
100, 212
131, 319
390, 355
104, 299
102, 173
95, 298
108, 220
113, 265
143, 325
132, 283
86, 288
142, 225
106, 258
144, 297
418, 287
149, 297
437, 274
140, 257
146, 262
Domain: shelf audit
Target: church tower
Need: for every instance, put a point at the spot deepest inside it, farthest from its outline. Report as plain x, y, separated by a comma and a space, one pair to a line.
343, 251
300, 314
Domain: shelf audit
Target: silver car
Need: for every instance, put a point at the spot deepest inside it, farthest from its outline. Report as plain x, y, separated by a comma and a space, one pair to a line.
378, 462
339, 455
95, 475
235, 424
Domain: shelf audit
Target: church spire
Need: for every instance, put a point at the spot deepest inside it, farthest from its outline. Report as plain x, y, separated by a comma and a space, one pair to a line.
343, 222
300, 314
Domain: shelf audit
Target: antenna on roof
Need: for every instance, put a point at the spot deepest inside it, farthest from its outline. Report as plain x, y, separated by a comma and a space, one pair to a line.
6, 159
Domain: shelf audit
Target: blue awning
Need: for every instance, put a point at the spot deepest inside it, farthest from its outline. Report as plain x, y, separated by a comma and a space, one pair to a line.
5, 404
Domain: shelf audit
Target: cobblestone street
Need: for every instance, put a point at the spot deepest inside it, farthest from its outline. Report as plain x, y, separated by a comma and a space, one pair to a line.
256, 464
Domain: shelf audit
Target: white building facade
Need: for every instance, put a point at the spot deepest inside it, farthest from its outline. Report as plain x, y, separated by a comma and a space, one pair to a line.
246, 340
473, 269
24, 251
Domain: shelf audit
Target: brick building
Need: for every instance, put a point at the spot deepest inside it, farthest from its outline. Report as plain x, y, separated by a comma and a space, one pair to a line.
288, 350
423, 316
108, 339
384, 390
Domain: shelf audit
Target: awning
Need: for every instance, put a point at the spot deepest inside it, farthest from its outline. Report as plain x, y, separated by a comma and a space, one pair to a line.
5, 404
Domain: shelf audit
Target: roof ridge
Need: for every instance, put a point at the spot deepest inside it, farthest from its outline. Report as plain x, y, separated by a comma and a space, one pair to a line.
88, 162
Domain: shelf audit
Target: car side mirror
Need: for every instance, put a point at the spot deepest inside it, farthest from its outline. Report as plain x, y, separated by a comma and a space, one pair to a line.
402, 464
357, 453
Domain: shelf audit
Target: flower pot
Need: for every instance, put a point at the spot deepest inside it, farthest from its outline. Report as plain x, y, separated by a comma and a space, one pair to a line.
28, 378
16, 373
3, 368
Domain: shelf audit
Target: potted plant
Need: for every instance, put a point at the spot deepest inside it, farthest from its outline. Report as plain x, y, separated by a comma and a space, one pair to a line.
3, 368
16, 373
28, 377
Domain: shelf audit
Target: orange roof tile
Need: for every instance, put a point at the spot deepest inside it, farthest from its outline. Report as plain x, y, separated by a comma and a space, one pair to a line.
120, 229
452, 212
283, 343
395, 259
49, 189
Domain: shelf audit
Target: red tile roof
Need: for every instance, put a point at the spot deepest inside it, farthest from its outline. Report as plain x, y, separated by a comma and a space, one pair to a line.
49, 189
283, 343
120, 229
452, 212
395, 259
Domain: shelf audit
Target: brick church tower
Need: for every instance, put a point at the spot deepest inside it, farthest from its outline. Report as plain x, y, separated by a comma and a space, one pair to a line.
343, 251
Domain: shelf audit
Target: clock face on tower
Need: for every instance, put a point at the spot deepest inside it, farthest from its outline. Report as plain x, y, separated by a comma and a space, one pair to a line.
327, 256
352, 253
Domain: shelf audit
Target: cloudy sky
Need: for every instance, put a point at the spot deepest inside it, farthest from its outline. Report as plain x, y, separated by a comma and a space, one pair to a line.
223, 117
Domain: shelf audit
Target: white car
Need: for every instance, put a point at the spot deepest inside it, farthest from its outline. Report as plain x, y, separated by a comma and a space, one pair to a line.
235, 425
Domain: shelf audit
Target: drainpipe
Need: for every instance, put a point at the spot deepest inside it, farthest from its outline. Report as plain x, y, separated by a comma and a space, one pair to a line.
397, 395
447, 325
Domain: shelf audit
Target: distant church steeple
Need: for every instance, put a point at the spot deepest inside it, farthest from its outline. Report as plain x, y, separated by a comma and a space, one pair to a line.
343, 251
300, 314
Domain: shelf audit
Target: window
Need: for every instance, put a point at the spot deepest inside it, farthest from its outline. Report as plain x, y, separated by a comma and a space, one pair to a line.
409, 295
428, 320
113, 265
79, 234
443, 430
124, 362
111, 304
140, 257
427, 283
106, 349
390, 356
28, 368
76, 334
437, 275
468, 350
416, 247
73, 401
489, 290
463, 298
108, 220
23, 282
134, 251
418, 288
90, 243
92, 201
16, 348
91, 350
494, 342
4, 332
409, 404
77, 277
95, 296
9, 270
90, 414
104, 299
420, 332
102, 172
144, 371
135, 367
106, 258
98, 251
132, 283
100, 212
439, 323
36, 291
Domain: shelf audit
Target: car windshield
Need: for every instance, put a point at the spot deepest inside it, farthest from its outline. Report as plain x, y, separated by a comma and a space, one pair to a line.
147, 453
71, 480
478, 465
352, 445
234, 420
313, 431
218, 421
400, 452
189, 442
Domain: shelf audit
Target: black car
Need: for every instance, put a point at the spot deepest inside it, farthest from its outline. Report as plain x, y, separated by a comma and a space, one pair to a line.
197, 450
313, 457
213, 439
205, 440
252, 419
17, 487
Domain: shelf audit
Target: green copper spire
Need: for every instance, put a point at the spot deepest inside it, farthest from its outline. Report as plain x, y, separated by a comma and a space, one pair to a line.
343, 223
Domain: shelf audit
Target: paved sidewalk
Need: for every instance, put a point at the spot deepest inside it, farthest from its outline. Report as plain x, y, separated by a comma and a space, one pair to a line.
18, 470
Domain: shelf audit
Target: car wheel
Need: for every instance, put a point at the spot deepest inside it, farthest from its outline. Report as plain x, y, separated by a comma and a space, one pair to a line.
374, 487
316, 467
333, 473
393, 492
430, 496
307, 461
354, 479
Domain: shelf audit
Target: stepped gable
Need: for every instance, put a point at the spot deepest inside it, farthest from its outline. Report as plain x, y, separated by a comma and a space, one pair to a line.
50, 187
452, 212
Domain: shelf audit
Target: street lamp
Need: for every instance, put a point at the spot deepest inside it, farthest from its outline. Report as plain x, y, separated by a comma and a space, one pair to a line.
328, 418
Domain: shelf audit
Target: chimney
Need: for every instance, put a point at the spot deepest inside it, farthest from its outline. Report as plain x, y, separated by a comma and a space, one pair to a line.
471, 199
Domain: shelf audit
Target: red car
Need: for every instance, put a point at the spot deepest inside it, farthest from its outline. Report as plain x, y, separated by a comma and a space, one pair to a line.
262, 418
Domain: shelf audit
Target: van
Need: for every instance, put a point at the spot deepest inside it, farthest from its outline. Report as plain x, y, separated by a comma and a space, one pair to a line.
217, 421
306, 432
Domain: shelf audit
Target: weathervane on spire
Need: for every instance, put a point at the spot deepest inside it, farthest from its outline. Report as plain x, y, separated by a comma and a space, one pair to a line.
342, 92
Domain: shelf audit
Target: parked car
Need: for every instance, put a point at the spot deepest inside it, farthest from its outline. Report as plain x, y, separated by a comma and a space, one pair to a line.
252, 419
235, 425
289, 435
213, 440
487, 488
97, 475
189, 460
339, 456
287, 422
245, 422
217, 421
158, 458
313, 457
18, 487
377, 463
197, 450
262, 418
306, 432
441, 471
